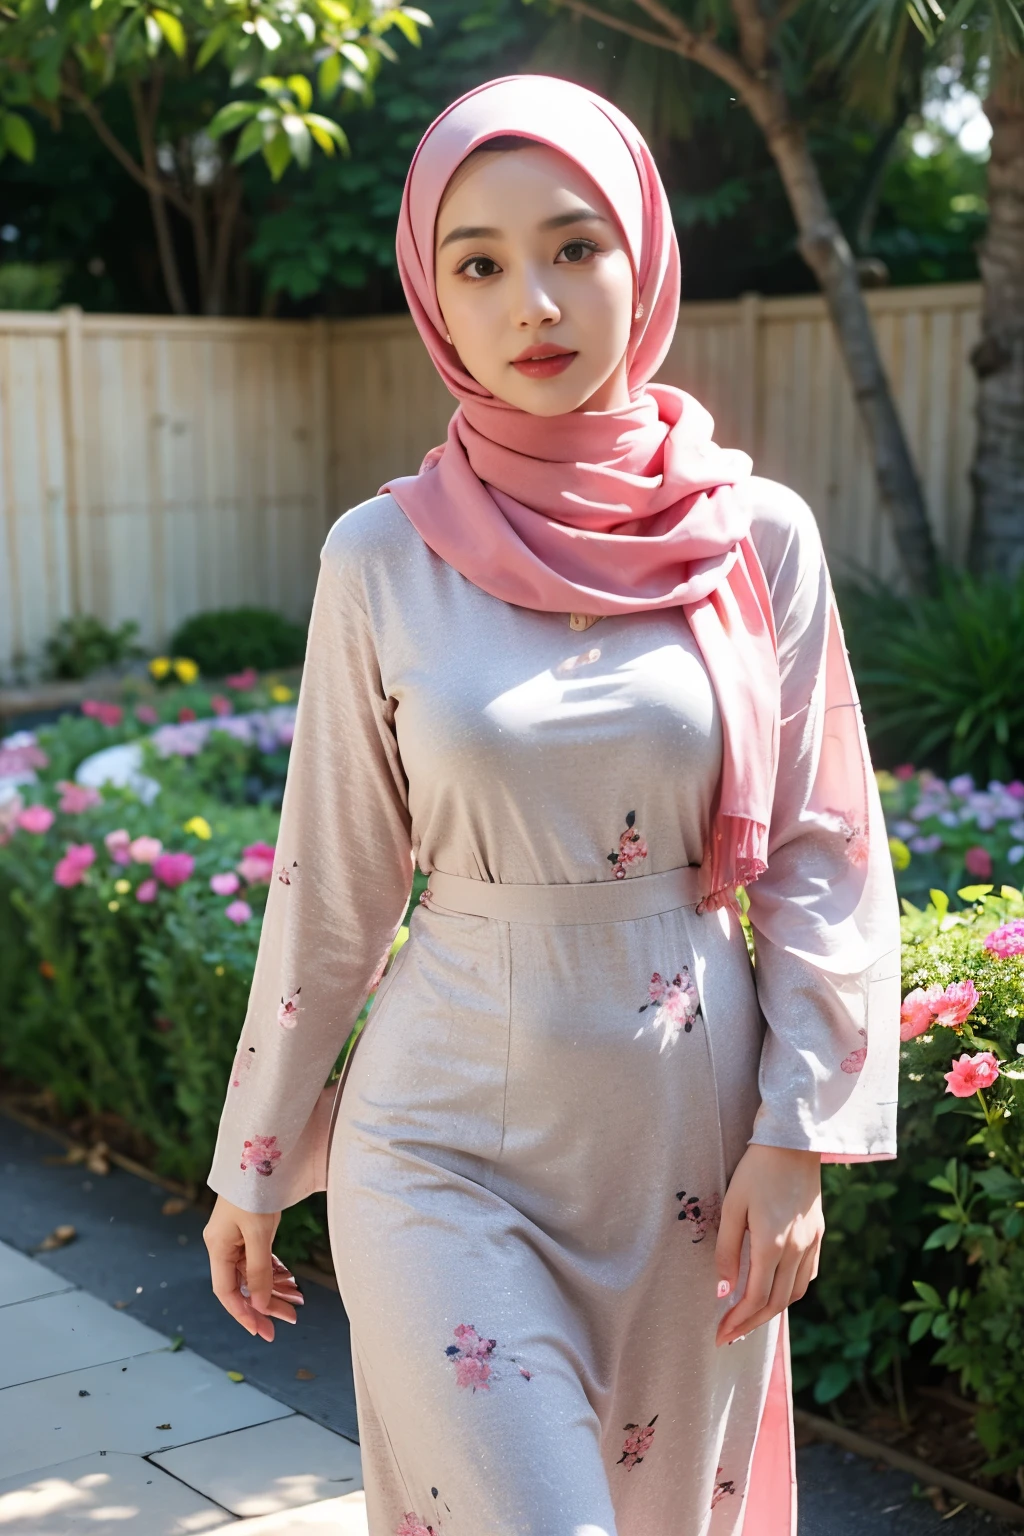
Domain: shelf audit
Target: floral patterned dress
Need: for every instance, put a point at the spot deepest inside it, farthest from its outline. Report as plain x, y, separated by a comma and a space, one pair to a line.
527, 1155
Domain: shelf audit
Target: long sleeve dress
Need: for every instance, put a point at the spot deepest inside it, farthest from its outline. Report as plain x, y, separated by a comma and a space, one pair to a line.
526, 1155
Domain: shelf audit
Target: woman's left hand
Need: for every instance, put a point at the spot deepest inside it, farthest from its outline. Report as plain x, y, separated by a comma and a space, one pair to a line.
775, 1194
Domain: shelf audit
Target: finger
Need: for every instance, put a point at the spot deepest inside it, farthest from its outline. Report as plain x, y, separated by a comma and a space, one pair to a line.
258, 1274
805, 1273
224, 1277
763, 1264
781, 1291
729, 1245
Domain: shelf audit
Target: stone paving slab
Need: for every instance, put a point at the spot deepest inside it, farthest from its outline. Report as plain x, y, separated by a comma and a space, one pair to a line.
112, 1495
333, 1517
125, 1407
268, 1468
124, 1243
21, 1279
50, 1334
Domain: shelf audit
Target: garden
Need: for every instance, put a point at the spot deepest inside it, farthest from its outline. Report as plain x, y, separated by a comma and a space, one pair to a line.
130, 921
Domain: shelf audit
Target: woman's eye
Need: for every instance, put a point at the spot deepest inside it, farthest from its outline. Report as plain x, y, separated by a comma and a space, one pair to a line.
577, 250
479, 266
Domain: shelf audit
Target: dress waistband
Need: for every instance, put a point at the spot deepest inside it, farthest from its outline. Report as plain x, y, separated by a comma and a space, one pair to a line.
600, 901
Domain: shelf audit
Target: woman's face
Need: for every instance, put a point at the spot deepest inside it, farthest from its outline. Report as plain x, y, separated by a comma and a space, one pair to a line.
534, 282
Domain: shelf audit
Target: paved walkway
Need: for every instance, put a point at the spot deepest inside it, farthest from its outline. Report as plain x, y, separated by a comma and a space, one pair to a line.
118, 1415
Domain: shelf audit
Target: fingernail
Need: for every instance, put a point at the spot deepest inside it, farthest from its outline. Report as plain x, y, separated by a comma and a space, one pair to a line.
723, 1288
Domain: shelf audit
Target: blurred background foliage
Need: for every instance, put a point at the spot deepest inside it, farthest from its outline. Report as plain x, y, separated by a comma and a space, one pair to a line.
76, 229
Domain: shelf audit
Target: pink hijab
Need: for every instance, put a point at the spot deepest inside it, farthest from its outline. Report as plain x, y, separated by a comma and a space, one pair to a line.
601, 512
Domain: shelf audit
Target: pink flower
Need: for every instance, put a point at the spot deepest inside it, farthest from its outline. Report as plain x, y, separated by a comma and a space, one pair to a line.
77, 797
173, 869
147, 891
119, 845
412, 1525
10, 810
471, 1372
959, 999
36, 818
184, 713
678, 1004
978, 861
261, 1153
972, 1073
145, 714
225, 884
247, 679
145, 849
701, 1214
917, 1013
288, 1013
631, 850
71, 868
637, 1443
238, 911
257, 863
221, 705
1007, 940
1016, 789
107, 714
854, 1063
904, 771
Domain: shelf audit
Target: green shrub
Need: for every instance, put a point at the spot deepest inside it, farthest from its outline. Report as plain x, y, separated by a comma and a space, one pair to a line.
231, 639
941, 677
31, 285
83, 645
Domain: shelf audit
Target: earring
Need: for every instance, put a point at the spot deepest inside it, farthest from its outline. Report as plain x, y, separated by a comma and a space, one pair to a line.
447, 338
638, 312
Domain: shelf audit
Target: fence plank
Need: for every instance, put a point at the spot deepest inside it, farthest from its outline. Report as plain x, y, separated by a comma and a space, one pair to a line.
152, 467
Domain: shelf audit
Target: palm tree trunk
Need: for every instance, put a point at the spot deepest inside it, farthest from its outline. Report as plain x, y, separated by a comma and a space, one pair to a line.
997, 474
825, 249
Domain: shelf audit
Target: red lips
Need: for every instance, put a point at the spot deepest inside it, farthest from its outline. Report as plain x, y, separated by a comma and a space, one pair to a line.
543, 361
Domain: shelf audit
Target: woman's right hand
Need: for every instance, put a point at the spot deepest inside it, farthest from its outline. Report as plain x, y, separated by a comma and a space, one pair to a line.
248, 1278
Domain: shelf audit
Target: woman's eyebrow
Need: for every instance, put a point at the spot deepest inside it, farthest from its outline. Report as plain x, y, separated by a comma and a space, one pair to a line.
579, 215
470, 232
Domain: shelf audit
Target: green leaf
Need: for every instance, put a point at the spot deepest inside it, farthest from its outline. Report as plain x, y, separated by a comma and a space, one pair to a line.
329, 76
301, 90
249, 141
298, 138
325, 128
277, 152
420, 17
356, 56
929, 1295
18, 136
406, 24
946, 1236
172, 30
832, 1381
269, 36
919, 1327
940, 901
973, 892
212, 44
232, 116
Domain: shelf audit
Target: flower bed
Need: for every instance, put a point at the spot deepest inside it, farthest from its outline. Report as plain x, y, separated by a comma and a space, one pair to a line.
946, 832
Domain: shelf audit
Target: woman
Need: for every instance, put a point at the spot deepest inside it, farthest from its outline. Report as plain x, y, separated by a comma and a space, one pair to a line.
573, 1167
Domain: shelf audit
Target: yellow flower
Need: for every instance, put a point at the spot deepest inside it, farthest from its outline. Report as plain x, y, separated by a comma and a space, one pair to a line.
122, 887
886, 781
218, 970
899, 852
280, 694
200, 826
160, 666
113, 906
185, 669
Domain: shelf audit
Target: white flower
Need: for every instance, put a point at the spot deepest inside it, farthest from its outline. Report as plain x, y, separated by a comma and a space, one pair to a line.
1015, 854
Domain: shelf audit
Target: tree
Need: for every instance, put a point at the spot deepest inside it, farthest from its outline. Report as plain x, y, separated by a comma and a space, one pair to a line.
755, 49
175, 61
984, 42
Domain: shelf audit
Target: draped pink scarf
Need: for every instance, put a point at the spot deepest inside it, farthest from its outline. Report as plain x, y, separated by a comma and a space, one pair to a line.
601, 512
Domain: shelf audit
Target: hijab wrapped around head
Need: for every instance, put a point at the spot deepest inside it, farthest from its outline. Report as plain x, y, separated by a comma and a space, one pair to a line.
601, 512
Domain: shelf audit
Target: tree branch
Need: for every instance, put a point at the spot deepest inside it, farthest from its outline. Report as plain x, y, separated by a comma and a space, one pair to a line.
642, 35
95, 117
145, 126
677, 38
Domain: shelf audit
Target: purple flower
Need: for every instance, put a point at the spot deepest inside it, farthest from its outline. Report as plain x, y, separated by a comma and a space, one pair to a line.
147, 891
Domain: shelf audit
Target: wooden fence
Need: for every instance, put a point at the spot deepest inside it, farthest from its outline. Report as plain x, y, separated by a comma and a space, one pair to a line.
151, 468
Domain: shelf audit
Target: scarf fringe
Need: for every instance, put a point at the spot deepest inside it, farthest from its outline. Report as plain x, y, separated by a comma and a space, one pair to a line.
736, 857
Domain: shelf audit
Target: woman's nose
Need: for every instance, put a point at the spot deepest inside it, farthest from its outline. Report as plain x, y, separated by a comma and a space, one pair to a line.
533, 305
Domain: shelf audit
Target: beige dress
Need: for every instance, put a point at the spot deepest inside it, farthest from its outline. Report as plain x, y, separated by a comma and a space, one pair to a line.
526, 1159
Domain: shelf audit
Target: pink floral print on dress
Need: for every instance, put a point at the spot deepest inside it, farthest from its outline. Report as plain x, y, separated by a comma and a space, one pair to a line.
855, 1061
857, 845
412, 1525
476, 1358
637, 1443
677, 1005
288, 1013
631, 850
704, 1215
286, 874
722, 1487
261, 1153
242, 1065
